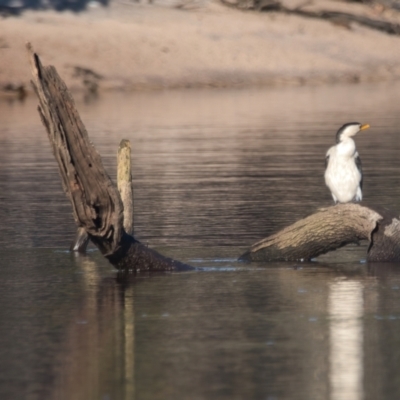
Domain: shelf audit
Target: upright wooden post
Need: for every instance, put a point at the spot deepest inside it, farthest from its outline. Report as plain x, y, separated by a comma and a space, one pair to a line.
124, 183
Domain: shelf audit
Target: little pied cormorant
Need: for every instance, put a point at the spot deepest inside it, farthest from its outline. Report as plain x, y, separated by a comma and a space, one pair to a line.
343, 174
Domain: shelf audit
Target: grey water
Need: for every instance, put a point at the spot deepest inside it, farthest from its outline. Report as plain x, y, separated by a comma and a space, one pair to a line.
214, 171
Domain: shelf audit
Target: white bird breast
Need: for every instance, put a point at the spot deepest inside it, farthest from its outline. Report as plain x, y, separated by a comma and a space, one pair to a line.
342, 175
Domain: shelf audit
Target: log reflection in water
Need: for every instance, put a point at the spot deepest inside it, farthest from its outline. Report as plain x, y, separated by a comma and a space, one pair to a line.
98, 359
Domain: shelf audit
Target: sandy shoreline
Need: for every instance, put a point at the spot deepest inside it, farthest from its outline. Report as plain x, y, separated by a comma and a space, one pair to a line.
131, 46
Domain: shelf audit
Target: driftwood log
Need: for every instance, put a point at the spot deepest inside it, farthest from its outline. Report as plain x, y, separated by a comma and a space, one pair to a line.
96, 202
310, 9
329, 229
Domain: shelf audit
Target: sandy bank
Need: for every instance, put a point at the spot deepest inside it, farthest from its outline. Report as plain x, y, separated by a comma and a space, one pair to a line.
130, 46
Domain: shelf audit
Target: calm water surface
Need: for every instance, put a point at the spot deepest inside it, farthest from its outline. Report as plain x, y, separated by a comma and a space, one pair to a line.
214, 171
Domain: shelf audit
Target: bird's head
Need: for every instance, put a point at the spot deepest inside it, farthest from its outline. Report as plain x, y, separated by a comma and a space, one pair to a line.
348, 130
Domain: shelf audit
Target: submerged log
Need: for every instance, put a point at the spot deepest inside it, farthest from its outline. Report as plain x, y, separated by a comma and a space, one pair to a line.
326, 230
329, 229
96, 202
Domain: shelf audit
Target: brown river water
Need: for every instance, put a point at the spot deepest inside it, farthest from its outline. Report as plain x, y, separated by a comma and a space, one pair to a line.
214, 171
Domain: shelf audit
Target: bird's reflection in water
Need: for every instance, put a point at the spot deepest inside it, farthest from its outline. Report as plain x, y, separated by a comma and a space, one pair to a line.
346, 309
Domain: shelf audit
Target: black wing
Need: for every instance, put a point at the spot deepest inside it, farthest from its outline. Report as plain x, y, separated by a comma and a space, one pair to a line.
359, 167
326, 161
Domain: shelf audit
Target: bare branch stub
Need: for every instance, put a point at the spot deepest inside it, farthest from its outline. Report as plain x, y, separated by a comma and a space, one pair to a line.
124, 183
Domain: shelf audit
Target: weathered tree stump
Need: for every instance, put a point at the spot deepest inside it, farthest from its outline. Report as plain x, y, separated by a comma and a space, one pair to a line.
96, 202
124, 185
329, 229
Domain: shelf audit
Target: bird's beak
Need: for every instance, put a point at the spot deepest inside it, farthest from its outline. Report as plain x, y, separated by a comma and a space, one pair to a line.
363, 127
